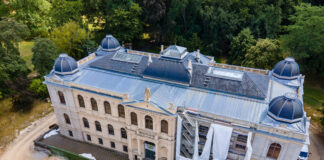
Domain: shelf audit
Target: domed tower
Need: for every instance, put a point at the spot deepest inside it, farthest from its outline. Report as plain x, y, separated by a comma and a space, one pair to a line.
65, 64
287, 108
286, 69
110, 44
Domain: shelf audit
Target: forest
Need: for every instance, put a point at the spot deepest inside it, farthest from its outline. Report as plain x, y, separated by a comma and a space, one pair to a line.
252, 33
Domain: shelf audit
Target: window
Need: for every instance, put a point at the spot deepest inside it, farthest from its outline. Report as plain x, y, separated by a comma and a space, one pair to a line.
121, 111
81, 101
148, 122
100, 141
94, 104
61, 96
125, 148
133, 118
88, 137
67, 119
123, 133
241, 138
112, 144
239, 146
274, 150
71, 133
107, 107
85, 122
164, 126
98, 126
110, 129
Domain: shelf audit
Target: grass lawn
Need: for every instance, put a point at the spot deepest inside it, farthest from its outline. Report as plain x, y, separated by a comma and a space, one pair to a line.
313, 100
25, 49
12, 122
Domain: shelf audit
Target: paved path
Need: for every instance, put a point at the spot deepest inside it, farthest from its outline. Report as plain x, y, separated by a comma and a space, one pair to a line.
22, 147
317, 144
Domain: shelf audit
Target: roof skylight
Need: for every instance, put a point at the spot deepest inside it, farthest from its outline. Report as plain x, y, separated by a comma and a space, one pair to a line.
225, 73
126, 57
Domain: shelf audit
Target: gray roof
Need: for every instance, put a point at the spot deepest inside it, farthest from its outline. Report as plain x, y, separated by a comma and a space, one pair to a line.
286, 69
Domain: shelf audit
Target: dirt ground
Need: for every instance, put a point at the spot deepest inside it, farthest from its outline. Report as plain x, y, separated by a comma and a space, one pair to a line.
22, 147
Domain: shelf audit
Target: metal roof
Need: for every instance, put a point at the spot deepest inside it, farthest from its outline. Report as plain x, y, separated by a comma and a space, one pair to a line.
65, 64
286, 69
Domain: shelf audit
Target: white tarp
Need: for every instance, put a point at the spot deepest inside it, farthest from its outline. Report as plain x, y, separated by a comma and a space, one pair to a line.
222, 137
51, 133
206, 151
88, 155
196, 152
249, 147
179, 128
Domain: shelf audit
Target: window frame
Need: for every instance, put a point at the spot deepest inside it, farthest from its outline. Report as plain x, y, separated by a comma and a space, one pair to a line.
121, 111
85, 123
165, 126
98, 126
123, 133
67, 119
81, 101
61, 97
107, 107
148, 122
94, 105
111, 130
134, 120
88, 137
275, 149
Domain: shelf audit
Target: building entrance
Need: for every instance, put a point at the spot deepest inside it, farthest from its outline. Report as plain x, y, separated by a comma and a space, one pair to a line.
149, 151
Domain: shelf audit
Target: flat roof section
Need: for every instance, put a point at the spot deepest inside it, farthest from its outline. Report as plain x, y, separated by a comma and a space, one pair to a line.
78, 147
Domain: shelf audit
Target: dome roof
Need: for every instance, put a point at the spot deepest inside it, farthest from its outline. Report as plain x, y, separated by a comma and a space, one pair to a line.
287, 108
286, 69
65, 64
175, 51
110, 43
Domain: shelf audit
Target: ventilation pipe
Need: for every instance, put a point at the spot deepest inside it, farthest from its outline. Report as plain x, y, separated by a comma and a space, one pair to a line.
198, 55
162, 48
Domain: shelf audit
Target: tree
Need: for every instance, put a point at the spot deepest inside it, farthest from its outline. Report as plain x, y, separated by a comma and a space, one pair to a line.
39, 88
125, 24
64, 11
45, 52
239, 46
4, 9
33, 13
68, 38
305, 40
264, 54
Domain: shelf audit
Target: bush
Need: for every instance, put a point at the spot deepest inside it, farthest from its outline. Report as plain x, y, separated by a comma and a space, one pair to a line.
22, 101
38, 88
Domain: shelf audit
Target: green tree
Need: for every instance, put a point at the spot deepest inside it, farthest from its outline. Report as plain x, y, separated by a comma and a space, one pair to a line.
305, 40
64, 11
71, 39
4, 9
125, 24
264, 54
39, 88
239, 46
33, 13
45, 52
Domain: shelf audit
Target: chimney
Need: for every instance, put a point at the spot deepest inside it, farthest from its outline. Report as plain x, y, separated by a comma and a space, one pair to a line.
189, 67
162, 48
130, 46
198, 55
149, 59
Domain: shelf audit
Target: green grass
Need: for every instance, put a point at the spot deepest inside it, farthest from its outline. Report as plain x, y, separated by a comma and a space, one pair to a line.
25, 49
12, 122
314, 96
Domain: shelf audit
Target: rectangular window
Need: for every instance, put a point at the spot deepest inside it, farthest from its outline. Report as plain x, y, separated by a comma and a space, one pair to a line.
71, 133
100, 141
88, 137
125, 149
239, 146
112, 144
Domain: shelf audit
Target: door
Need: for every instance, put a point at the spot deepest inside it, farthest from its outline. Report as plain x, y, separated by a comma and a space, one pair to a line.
149, 151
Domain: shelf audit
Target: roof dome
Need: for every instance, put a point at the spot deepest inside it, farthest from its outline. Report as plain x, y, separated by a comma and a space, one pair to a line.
287, 108
286, 69
175, 51
65, 64
110, 43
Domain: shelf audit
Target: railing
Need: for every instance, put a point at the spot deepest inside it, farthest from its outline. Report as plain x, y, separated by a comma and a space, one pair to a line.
227, 66
143, 53
188, 128
192, 123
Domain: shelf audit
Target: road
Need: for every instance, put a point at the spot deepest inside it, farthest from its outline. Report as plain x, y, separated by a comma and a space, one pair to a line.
22, 147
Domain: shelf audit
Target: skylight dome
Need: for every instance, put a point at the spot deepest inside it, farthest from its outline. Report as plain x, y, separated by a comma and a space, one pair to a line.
110, 43
175, 51
65, 64
287, 108
286, 69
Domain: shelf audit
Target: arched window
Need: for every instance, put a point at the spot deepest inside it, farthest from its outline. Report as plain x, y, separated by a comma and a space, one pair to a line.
148, 122
274, 150
98, 126
121, 111
110, 129
123, 133
94, 104
107, 107
81, 101
85, 122
67, 119
164, 126
61, 96
133, 118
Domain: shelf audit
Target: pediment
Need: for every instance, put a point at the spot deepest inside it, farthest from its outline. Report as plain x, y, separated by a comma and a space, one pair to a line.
150, 106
